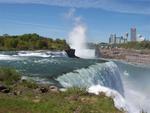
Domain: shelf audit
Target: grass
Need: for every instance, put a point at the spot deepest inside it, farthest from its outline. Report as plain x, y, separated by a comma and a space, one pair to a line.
64, 102
29, 84
74, 100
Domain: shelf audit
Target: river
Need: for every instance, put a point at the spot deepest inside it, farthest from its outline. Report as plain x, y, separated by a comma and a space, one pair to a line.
127, 84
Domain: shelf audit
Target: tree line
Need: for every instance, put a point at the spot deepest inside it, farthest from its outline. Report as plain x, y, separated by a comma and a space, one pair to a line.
31, 42
136, 45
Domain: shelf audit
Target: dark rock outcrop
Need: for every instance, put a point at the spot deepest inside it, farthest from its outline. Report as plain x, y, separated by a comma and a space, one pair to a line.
4, 89
71, 53
44, 89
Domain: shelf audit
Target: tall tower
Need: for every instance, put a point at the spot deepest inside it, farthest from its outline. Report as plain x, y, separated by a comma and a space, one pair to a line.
126, 37
133, 34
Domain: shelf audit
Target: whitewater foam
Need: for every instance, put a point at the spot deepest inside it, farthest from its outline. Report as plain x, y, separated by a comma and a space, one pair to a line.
105, 74
8, 57
101, 77
44, 54
19, 55
43, 61
119, 100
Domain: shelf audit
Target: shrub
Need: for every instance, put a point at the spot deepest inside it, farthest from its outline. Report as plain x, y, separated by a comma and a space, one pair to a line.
29, 84
9, 76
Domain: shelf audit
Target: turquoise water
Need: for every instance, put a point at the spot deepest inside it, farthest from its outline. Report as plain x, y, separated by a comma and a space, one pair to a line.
56, 68
39, 66
131, 81
47, 67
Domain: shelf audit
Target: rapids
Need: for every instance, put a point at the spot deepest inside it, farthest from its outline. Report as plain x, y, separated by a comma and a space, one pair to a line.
121, 81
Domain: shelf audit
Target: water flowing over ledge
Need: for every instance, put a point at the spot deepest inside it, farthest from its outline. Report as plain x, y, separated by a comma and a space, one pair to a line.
102, 77
94, 74
105, 74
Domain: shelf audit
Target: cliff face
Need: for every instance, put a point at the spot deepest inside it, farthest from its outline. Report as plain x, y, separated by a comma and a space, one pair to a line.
71, 53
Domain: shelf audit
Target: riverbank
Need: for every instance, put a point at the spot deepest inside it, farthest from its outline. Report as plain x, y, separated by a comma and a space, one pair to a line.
132, 56
22, 96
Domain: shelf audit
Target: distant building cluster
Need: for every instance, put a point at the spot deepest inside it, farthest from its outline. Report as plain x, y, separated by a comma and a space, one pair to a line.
114, 39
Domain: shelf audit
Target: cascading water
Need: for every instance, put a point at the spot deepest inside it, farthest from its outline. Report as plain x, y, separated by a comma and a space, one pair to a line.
136, 85
102, 77
105, 74
96, 75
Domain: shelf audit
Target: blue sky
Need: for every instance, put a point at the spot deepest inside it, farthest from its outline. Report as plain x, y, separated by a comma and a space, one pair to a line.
51, 17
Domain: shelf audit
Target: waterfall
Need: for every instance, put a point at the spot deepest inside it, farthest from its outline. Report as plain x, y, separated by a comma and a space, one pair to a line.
101, 77
104, 74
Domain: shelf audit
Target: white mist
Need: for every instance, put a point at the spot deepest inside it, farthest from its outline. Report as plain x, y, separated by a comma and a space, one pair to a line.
77, 41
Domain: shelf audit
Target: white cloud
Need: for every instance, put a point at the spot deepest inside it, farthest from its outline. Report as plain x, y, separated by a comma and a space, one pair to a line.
124, 6
70, 14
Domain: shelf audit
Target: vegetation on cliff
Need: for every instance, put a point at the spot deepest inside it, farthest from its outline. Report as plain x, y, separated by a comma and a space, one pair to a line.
136, 45
9, 76
28, 97
31, 42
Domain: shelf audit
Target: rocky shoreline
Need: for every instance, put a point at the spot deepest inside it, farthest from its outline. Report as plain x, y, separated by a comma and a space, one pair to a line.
132, 56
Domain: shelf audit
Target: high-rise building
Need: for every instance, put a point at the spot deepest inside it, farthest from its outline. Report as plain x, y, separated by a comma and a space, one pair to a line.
133, 34
126, 37
112, 39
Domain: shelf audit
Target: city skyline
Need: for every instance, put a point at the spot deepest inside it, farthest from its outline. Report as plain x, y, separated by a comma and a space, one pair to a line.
52, 19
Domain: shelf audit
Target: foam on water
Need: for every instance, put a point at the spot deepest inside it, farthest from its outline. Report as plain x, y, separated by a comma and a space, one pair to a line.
22, 54
104, 77
105, 74
42, 54
8, 57
95, 76
119, 100
44, 61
